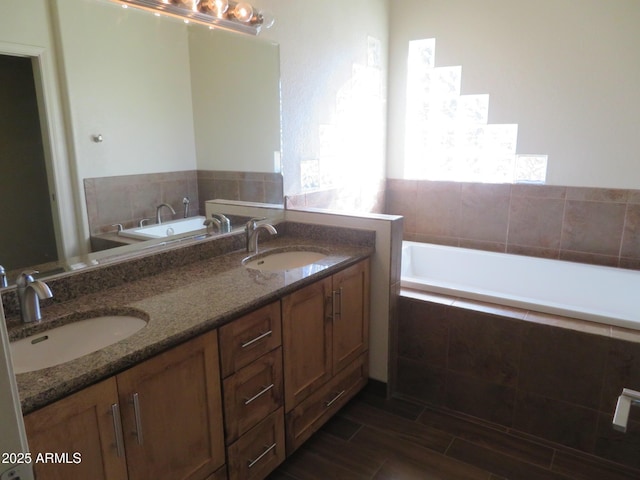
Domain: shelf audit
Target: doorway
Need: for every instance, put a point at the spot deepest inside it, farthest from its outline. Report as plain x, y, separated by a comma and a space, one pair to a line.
27, 234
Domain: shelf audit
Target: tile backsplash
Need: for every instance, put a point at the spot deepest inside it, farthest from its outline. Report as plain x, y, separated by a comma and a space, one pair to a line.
589, 225
127, 199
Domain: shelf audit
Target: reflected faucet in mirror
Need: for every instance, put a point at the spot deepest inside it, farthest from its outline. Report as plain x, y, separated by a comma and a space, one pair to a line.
30, 292
225, 223
186, 202
159, 207
221, 222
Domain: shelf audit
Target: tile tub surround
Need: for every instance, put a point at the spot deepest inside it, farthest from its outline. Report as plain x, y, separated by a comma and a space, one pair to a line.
589, 225
127, 199
357, 198
536, 375
261, 187
175, 301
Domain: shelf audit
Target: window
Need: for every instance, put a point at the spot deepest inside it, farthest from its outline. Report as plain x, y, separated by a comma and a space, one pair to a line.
448, 136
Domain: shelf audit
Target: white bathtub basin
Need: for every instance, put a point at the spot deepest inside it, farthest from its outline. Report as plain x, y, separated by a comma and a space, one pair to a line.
605, 295
68, 342
166, 229
284, 260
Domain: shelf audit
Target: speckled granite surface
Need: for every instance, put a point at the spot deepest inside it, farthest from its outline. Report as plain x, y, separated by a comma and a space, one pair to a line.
179, 303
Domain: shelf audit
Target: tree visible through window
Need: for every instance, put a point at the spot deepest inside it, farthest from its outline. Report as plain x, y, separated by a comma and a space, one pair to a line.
448, 136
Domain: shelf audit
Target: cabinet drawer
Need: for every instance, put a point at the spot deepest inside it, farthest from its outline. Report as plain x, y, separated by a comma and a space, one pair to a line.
252, 393
258, 452
314, 411
248, 338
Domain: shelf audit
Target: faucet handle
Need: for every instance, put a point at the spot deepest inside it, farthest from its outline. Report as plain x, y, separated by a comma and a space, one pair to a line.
251, 224
26, 277
3, 277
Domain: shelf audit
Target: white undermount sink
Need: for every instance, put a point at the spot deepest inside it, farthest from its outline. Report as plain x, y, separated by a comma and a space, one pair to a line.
279, 261
68, 342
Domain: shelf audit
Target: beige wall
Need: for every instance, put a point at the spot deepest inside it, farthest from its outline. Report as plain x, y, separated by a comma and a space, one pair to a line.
237, 114
319, 43
147, 124
566, 71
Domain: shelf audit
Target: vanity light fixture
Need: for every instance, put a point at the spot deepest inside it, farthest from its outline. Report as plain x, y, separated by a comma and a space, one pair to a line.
229, 15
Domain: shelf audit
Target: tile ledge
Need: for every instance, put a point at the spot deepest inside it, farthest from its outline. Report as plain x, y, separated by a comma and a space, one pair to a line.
531, 316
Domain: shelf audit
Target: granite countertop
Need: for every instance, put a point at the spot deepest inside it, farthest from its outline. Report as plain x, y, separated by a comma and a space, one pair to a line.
178, 304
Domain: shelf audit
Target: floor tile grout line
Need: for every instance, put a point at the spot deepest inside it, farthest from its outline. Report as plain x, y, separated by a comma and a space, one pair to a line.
553, 459
386, 460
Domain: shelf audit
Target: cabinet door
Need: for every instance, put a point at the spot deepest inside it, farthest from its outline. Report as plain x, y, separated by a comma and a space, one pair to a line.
306, 339
172, 413
81, 423
351, 314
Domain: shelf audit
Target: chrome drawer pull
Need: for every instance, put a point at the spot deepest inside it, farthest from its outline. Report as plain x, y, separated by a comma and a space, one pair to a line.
251, 463
333, 303
333, 400
257, 339
117, 428
136, 412
264, 390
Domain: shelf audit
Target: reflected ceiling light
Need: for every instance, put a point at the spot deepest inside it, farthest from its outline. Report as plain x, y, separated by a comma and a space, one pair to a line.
225, 14
243, 12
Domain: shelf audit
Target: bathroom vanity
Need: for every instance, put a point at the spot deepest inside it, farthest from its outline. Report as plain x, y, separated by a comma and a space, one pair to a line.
235, 369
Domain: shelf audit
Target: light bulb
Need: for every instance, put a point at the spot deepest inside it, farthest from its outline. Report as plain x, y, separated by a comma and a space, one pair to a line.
243, 12
267, 19
219, 7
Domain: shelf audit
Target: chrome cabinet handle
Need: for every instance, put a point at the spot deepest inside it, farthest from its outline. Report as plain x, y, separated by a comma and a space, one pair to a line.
251, 463
333, 400
264, 390
117, 429
333, 299
257, 339
136, 412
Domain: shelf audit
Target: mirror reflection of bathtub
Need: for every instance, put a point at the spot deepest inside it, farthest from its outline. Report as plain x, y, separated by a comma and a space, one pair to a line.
166, 229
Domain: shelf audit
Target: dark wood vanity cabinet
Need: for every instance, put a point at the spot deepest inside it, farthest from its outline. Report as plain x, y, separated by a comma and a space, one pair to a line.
172, 413
277, 373
251, 352
83, 424
159, 419
325, 329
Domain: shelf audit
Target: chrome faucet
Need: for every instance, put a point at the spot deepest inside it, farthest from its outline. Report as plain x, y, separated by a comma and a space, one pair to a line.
186, 202
252, 230
626, 400
30, 292
159, 207
213, 221
3, 277
225, 223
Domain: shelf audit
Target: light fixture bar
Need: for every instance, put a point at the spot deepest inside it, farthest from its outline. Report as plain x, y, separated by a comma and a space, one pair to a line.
157, 6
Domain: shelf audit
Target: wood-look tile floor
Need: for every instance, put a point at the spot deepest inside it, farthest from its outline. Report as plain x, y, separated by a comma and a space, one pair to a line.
377, 439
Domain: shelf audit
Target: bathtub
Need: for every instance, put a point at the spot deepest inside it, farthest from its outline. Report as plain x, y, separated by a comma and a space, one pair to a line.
166, 229
588, 292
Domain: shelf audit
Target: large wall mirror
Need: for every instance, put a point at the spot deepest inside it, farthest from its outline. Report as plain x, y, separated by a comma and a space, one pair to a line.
157, 110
